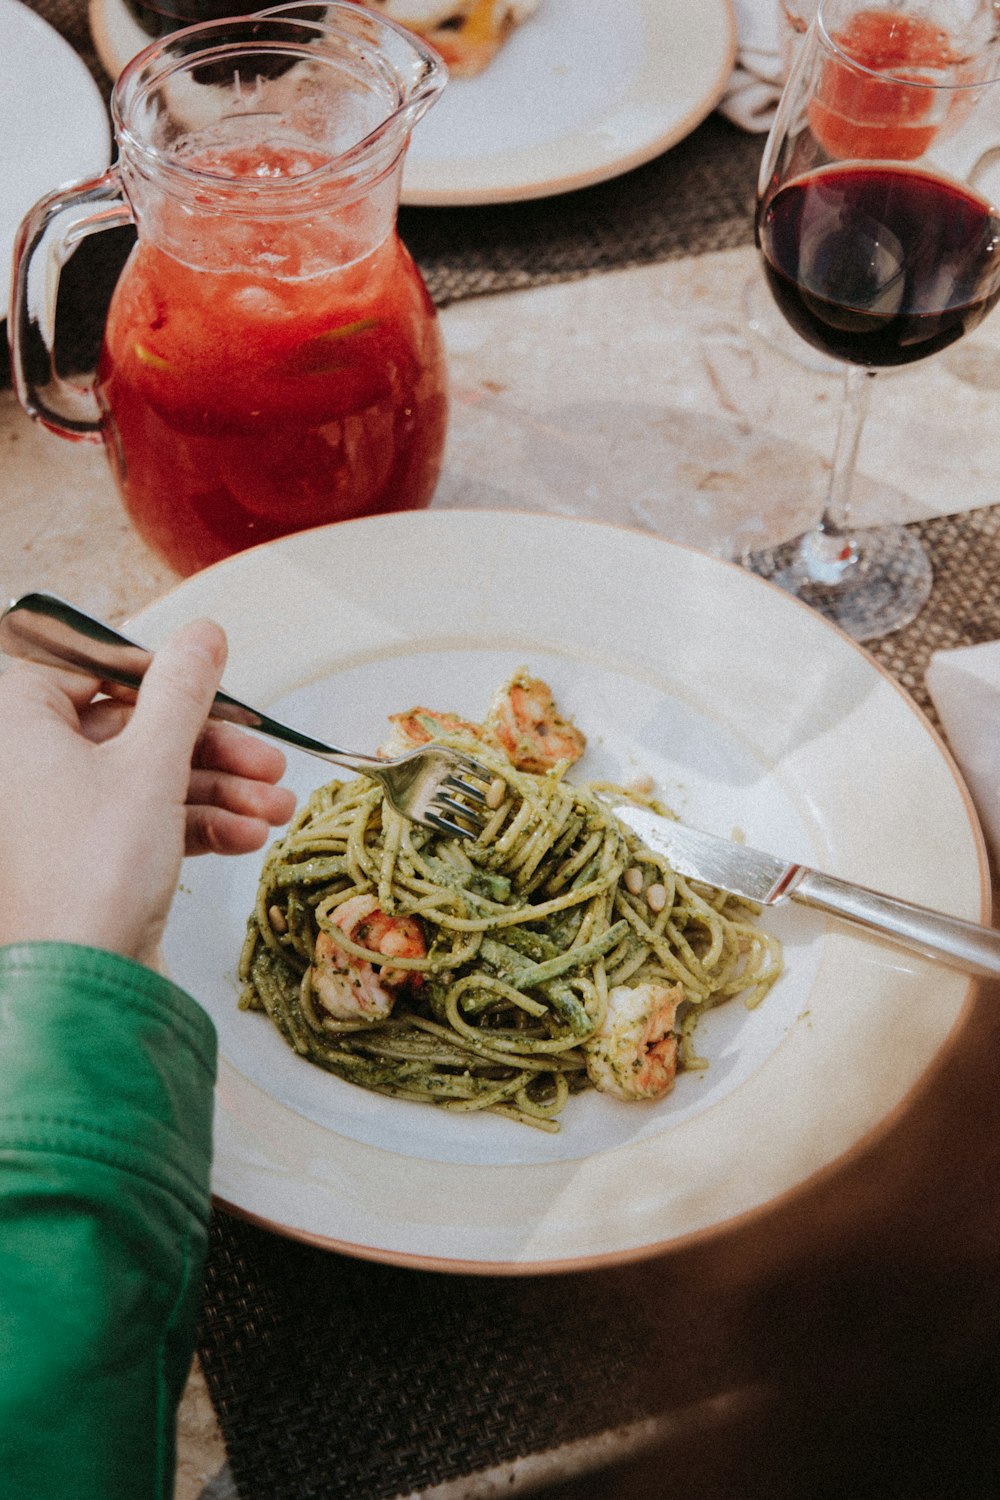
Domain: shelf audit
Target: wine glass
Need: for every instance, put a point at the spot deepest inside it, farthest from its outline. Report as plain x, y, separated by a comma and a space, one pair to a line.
881, 246
792, 18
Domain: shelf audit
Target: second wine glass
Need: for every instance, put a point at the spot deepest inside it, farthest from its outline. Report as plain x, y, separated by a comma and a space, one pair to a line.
881, 246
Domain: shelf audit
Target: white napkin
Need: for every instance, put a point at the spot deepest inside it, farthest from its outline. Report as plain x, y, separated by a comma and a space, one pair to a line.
755, 86
965, 687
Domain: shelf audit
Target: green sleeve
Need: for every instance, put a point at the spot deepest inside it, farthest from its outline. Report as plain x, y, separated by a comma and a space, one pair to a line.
106, 1074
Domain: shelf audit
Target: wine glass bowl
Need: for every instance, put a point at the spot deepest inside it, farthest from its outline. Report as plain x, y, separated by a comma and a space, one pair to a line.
880, 246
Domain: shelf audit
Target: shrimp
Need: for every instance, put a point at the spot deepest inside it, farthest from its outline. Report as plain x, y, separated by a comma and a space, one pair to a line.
418, 726
634, 1053
351, 988
524, 720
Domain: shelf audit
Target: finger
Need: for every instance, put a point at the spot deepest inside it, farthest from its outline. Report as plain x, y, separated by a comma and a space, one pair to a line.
241, 794
223, 747
104, 719
174, 700
215, 830
71, 696
62, 692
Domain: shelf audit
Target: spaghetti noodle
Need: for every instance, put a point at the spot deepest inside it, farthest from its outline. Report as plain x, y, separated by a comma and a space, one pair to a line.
484, 975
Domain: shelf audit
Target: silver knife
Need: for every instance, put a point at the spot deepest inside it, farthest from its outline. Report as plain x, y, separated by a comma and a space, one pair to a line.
765, 879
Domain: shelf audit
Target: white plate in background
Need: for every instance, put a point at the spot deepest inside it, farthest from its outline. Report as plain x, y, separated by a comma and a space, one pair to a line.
54, 124
581, 92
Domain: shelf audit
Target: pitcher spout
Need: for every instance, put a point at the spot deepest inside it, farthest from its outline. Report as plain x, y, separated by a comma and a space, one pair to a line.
405, 62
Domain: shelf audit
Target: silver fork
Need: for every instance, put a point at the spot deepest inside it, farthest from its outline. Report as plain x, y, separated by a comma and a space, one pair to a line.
434, 785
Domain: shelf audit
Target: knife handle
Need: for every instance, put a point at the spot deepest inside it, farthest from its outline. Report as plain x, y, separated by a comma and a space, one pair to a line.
966, 945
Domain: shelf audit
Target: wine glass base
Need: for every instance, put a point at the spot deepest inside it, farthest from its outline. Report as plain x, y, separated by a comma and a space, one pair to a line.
882, 587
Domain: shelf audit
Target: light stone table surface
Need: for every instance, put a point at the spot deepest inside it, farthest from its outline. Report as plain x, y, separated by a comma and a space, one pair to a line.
641, 397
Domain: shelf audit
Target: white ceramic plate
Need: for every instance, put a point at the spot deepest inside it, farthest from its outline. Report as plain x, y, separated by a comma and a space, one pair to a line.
584, 90
580, 93
751, 712
54, 125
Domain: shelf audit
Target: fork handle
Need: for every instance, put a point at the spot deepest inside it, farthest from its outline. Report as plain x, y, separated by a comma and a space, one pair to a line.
44, 629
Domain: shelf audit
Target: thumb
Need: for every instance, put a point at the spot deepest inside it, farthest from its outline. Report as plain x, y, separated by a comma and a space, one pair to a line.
174, 701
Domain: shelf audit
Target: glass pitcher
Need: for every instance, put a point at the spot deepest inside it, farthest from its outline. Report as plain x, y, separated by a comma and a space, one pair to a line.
271, 358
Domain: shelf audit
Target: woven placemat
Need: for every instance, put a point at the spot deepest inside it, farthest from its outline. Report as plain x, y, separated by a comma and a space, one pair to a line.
345, 1380
694, 198
964, 607
964, 604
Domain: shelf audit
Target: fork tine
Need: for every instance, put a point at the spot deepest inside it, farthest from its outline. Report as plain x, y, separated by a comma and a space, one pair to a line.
441, 802
466, 787
445, 825
472, 768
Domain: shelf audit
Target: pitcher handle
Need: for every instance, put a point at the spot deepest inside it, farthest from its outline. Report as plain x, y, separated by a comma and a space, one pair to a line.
46, 239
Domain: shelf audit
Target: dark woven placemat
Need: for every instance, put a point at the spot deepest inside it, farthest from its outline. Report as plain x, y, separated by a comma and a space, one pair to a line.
337, 1379
964, 607
694, 198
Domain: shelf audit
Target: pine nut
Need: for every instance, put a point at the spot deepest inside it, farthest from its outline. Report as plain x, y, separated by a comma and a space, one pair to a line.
633, 880
656, 897
496, 792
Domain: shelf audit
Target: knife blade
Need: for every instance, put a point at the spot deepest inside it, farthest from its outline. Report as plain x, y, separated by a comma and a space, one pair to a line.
766, 880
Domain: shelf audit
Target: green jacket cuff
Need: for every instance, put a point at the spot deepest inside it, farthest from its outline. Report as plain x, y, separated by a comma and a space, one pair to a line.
104, 1059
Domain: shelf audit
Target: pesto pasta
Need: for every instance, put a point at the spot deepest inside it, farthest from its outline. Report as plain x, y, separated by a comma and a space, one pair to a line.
500, 974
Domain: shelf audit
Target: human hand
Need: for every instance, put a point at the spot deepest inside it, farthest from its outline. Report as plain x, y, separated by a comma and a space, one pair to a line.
99, 801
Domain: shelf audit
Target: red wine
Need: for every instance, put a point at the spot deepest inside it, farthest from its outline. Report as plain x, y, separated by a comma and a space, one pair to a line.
880, 265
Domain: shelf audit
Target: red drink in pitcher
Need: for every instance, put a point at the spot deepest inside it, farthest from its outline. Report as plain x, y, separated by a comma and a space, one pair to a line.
238, 408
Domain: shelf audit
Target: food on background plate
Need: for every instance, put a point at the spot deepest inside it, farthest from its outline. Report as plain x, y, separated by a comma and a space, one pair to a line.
467, 33
552, 954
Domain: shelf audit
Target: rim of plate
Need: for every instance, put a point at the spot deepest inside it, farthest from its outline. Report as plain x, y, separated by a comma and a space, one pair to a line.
611, 144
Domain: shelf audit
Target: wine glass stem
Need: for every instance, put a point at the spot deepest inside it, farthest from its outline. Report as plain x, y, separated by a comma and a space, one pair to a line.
829, 551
